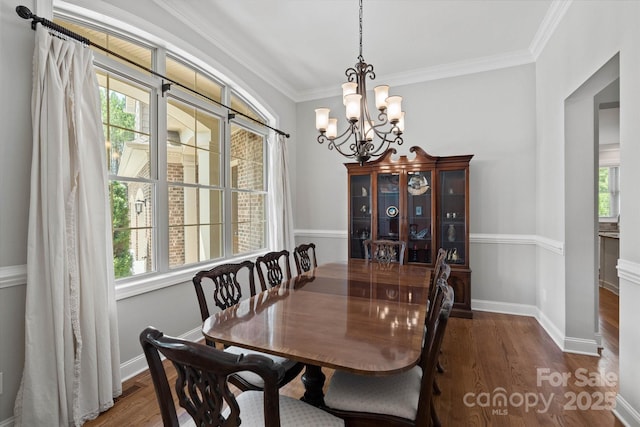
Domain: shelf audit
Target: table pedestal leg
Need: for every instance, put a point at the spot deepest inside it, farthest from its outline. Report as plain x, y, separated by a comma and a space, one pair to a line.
313, 380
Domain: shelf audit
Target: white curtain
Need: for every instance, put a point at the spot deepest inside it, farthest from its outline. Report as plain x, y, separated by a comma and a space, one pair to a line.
280, 206
72, 368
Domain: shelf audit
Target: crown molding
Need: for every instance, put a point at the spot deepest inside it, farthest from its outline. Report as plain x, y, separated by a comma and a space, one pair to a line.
548, 26
224, 43
443, 71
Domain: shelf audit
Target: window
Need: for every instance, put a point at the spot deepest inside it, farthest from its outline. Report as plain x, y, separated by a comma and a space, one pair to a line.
195, 174
608, 192
187, 181
125, 118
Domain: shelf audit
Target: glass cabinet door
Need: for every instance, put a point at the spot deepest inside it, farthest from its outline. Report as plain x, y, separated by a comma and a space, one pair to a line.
419, 242
360, 214
452, 215
388, 198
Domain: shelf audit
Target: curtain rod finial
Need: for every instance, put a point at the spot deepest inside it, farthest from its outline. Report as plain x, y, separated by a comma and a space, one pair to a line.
24, 12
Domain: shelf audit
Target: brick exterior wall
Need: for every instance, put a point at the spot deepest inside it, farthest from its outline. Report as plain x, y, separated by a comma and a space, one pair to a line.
176, 215
247, 148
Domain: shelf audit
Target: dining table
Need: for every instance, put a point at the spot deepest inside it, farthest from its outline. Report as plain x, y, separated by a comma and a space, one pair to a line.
359, 316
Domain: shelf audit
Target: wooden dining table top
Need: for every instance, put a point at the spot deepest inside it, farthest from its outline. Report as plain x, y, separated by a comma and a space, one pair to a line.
358, 316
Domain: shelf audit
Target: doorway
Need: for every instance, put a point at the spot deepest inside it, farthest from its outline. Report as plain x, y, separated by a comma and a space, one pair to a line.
581, 160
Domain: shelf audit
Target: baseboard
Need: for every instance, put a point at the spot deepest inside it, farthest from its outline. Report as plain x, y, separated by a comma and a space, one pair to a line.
523, 310
567, 344
581, 346
138, 364
552, 330
504, 307
625, 413
612, 287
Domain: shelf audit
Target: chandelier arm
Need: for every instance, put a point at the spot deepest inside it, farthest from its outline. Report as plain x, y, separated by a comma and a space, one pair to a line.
353, 147
383, 133
386, 143
335, 142
351, 73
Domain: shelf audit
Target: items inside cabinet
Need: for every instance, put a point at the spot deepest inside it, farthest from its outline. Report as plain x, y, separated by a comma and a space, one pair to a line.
453, 224
360, 213
388, 199
419, 245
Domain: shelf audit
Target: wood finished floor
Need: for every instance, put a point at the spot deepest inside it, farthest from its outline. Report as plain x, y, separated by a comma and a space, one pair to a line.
483, 357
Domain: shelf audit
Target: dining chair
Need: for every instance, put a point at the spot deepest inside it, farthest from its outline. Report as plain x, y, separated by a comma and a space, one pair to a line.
227, 292
202, 387
385, 251
305, 257
275, 266
441, 270
404, 399
437, 265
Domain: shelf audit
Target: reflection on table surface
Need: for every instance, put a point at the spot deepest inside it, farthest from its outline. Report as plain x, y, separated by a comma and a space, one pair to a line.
358, 316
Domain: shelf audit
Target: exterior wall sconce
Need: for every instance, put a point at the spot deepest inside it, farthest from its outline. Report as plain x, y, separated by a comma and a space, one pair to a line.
139, 205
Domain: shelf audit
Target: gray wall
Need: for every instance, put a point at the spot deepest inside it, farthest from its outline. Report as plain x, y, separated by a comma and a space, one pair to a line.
490, 115
510, 119
16, 48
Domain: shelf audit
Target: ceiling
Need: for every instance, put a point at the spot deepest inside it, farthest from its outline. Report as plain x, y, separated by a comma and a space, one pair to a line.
303, 47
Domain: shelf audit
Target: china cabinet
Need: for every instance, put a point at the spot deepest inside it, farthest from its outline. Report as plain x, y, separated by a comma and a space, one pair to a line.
424, 201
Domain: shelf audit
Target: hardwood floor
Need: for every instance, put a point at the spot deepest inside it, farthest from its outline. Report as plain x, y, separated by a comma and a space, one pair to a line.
490, 357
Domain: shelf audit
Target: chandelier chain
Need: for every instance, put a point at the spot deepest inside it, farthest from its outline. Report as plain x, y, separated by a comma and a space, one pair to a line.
361, 57
357, 141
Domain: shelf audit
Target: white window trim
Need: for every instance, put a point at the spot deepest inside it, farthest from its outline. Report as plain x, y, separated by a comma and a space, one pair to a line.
112, 22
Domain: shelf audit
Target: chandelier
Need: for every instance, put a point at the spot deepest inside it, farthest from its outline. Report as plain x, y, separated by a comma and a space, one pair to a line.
370, 137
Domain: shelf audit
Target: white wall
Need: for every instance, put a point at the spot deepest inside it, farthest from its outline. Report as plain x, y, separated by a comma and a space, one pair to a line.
589, 35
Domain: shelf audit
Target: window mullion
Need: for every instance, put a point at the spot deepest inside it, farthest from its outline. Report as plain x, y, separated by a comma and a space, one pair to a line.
161, 171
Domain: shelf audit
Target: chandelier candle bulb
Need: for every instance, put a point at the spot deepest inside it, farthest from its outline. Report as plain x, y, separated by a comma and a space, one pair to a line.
368, 131
382, 93
322, 119
394, 108
348, 88
332, 128
353, 106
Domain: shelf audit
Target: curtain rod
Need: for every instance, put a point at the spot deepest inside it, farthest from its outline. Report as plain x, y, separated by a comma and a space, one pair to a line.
25, 13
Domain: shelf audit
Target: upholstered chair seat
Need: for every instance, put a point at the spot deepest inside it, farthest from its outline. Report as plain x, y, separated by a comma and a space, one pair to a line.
392, 395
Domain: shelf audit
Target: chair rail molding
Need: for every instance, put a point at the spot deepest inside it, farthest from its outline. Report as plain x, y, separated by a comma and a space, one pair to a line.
629, 270
542, 242
323, 234
13, 275
551, 245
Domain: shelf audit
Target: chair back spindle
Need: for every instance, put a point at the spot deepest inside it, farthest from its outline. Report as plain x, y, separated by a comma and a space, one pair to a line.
273, 268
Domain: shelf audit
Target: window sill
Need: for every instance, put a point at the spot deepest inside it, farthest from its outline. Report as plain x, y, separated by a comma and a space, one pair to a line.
151, 282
